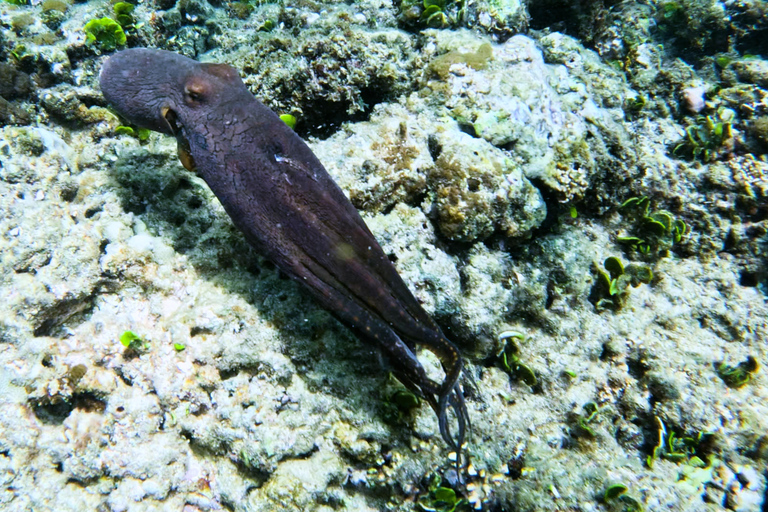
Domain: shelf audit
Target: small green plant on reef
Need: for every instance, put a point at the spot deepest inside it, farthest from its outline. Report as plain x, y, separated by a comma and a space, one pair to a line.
739, 375
289, 120
20, 53
440, 498
123, 14
140, 133
442, 13
633, 106
679, 449
722, 61
509, 358
399, 404
404, 400
589, 415
671, 16
612, 285
616, 494
432, 13
133, 342
17, 2
178, 347
708, 138
652, 233
124, 17
245, 458
614, 491
267, 26
105, 33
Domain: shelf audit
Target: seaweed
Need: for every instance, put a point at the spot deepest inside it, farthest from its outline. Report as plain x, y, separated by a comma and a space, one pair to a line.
105, 33
611, 287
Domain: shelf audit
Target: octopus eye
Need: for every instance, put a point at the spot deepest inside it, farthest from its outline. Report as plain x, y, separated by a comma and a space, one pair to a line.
194, 96
194, 92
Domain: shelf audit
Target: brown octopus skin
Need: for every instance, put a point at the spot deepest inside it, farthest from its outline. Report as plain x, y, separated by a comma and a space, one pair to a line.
283, 200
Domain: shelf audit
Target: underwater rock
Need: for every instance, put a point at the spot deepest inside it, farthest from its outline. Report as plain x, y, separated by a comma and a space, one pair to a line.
752, 71
542, 113
321, 77
479, 191
501, 18
473, 189
67, 104
14, 83
407, 236
11, 114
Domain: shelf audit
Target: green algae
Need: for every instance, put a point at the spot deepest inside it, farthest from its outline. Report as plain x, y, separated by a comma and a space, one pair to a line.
105, 33
477, 60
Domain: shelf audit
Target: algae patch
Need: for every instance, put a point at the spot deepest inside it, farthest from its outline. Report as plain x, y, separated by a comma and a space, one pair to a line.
477, 60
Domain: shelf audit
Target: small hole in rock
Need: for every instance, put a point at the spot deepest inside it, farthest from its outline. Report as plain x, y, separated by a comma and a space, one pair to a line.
748, 279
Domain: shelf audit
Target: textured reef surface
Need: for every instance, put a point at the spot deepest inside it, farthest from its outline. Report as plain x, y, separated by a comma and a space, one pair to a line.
577, 192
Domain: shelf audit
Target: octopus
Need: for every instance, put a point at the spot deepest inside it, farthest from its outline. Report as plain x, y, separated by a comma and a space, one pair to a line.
287, 206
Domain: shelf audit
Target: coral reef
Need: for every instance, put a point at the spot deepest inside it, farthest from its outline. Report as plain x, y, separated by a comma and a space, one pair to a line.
492, 168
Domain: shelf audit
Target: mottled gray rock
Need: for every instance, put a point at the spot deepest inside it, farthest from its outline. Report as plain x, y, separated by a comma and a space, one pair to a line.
557, 130
472, 188
752, 71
